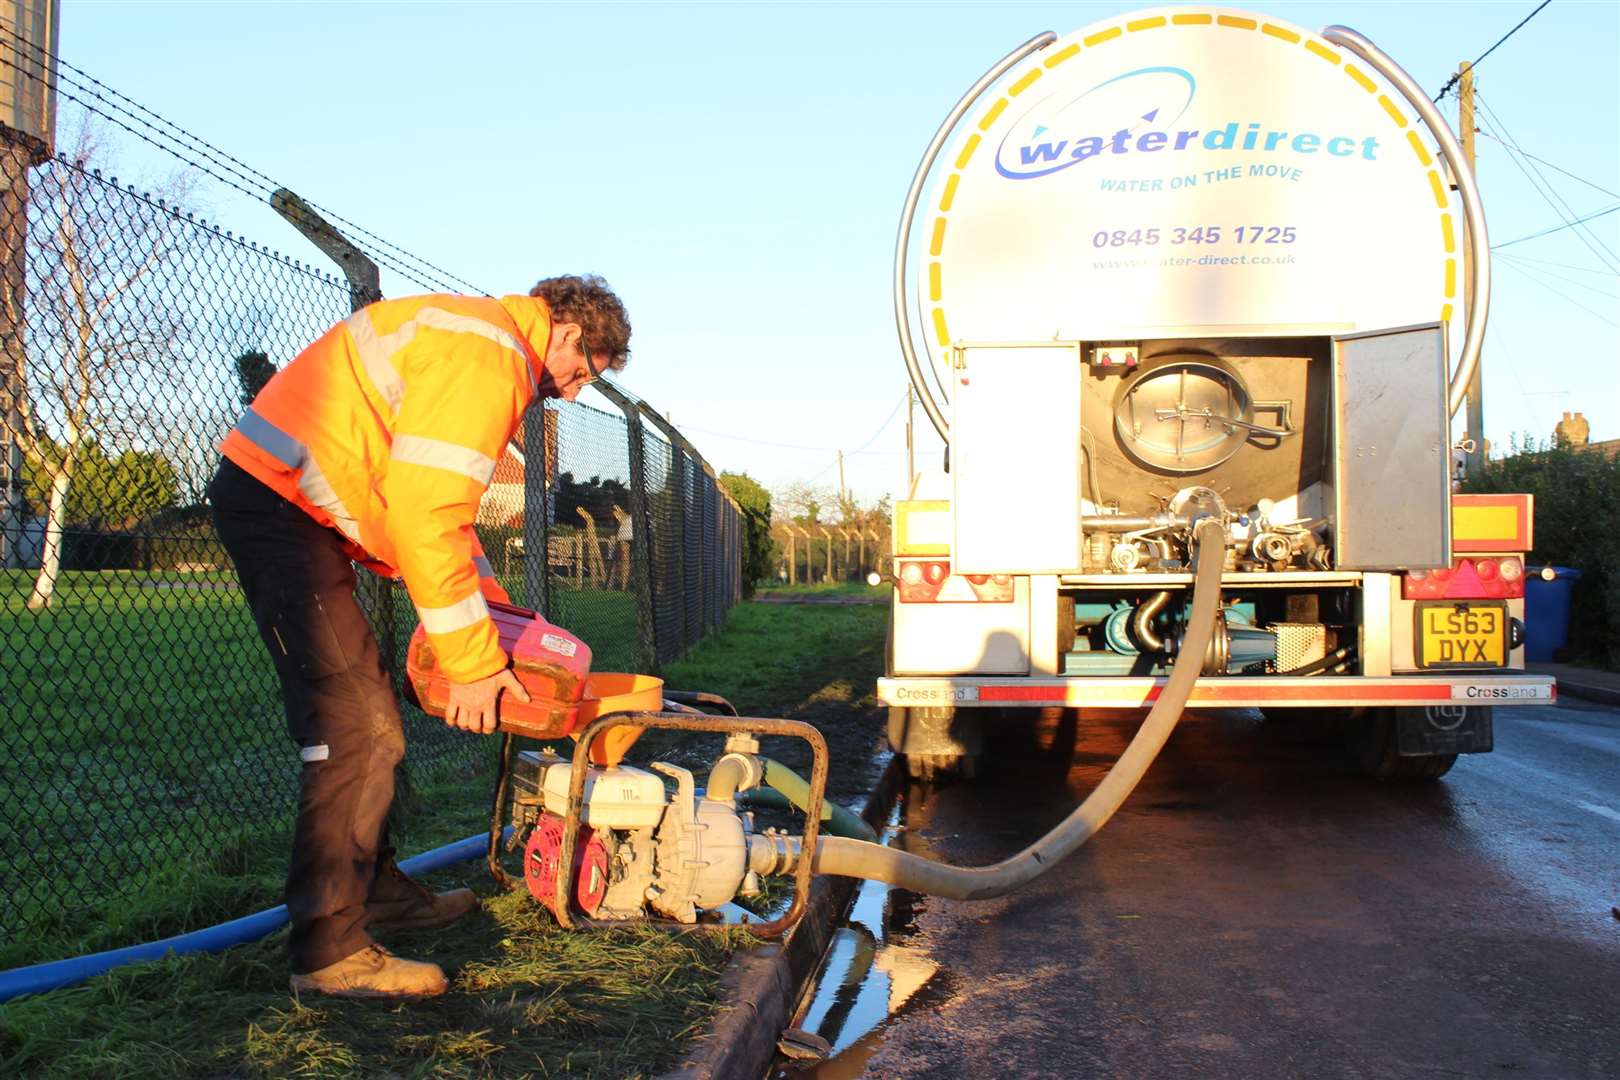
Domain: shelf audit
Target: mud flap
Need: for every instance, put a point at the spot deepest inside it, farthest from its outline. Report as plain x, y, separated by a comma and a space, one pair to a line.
937, 740
1443, 729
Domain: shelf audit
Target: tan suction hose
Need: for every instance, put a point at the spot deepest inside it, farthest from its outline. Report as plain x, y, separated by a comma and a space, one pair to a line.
855, 858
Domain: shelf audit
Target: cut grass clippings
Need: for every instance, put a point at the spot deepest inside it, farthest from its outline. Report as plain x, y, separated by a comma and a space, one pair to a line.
526, 998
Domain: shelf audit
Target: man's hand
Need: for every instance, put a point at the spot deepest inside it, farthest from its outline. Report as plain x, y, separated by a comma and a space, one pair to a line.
472, 705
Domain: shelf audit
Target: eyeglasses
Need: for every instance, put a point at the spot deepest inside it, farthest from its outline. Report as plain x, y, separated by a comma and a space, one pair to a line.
592, 372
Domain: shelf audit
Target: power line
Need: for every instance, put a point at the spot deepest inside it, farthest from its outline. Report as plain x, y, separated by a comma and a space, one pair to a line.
1561, 277
1562, 265
1550, 165
1598, 315
1453, 80
424, 271
1545, 189
1558, 228
885, 425
1494, 333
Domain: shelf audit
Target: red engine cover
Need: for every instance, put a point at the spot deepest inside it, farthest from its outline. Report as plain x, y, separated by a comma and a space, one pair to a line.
550, 662
542, 854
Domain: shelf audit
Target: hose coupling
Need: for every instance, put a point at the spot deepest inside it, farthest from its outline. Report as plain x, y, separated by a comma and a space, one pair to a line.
774, 852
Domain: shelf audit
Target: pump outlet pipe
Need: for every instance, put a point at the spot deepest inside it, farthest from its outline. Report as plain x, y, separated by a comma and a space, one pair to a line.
855, 858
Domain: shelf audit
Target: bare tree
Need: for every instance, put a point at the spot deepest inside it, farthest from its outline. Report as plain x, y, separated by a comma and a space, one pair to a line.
802, 502
101, 337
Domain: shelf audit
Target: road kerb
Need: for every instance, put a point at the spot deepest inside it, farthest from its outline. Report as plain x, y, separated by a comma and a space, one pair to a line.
760, 988
1604, 695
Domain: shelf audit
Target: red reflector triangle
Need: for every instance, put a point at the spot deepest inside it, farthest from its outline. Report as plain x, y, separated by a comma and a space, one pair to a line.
1465, 583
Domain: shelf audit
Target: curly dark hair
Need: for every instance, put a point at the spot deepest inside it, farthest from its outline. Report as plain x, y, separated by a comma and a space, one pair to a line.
586, 299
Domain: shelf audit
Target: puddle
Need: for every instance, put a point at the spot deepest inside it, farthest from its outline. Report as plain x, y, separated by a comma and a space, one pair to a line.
871, 972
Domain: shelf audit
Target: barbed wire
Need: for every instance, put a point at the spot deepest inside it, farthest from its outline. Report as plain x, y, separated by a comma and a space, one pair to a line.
398, 259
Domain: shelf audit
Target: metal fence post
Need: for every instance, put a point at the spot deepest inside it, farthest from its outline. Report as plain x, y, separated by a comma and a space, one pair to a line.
640, 529
365, 287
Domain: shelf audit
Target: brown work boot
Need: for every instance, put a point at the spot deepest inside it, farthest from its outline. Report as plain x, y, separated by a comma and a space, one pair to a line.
397, 902
374, 972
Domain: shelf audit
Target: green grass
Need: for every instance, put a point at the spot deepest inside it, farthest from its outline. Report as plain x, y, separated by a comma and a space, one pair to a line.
527, 999
826, 588
145, 746
804, 662
605, 619
142, 728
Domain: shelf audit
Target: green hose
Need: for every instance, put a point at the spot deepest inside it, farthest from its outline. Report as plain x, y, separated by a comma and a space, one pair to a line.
785, 788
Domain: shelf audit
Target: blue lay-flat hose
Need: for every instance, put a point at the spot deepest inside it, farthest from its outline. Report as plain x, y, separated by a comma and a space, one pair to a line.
38, 978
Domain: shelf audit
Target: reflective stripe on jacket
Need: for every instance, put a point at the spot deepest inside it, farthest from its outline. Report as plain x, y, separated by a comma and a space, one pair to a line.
388, 429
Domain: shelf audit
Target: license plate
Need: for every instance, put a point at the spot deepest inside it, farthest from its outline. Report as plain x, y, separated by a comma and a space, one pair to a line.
1458, 634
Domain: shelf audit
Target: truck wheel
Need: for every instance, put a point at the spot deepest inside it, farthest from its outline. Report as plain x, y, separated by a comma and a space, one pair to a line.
1314, 726
1377, 754
937, 742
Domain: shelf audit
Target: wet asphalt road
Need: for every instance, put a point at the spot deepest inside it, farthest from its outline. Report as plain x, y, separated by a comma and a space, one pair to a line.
1258, 910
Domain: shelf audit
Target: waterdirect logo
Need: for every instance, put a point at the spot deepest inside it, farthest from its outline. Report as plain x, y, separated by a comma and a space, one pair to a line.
1139, 113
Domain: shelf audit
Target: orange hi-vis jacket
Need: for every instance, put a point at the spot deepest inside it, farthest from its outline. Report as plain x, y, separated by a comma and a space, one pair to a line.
388, 428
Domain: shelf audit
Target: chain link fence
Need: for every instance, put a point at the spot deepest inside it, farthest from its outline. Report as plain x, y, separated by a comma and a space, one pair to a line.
142, 724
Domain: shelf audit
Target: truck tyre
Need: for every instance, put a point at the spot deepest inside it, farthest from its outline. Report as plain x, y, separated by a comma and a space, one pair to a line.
937, 742
1376, 752
1314, 726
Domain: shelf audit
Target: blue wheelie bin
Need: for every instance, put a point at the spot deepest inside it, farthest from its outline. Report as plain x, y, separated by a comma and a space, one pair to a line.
1546, 611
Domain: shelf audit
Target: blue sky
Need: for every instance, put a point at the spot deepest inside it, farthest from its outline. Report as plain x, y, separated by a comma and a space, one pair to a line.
737, 170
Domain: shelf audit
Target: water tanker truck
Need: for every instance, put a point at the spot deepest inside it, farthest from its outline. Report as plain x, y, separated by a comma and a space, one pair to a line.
1184, 266
1185, 295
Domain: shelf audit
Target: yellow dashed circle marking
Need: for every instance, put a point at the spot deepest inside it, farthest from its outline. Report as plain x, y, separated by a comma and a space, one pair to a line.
1279, 33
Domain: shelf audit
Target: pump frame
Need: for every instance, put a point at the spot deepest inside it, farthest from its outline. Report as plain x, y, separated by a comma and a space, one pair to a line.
683, 720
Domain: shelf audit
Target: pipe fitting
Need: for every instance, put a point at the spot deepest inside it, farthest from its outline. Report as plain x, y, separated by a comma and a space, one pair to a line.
734, 772
1142, 622
1271, 547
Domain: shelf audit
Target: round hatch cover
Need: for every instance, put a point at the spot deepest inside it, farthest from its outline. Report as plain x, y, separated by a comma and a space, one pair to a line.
1183, 416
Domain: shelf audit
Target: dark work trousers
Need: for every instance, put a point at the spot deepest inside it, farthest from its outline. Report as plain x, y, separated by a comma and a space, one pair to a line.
340, 708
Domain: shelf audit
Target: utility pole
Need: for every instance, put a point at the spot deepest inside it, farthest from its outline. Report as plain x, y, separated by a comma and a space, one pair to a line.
911, 461
1475, 427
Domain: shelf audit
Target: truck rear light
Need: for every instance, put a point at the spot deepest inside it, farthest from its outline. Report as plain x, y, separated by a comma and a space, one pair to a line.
930, 581
1477, 578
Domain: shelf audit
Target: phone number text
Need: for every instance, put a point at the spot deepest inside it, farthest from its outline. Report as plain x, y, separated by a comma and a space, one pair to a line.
1202, 234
